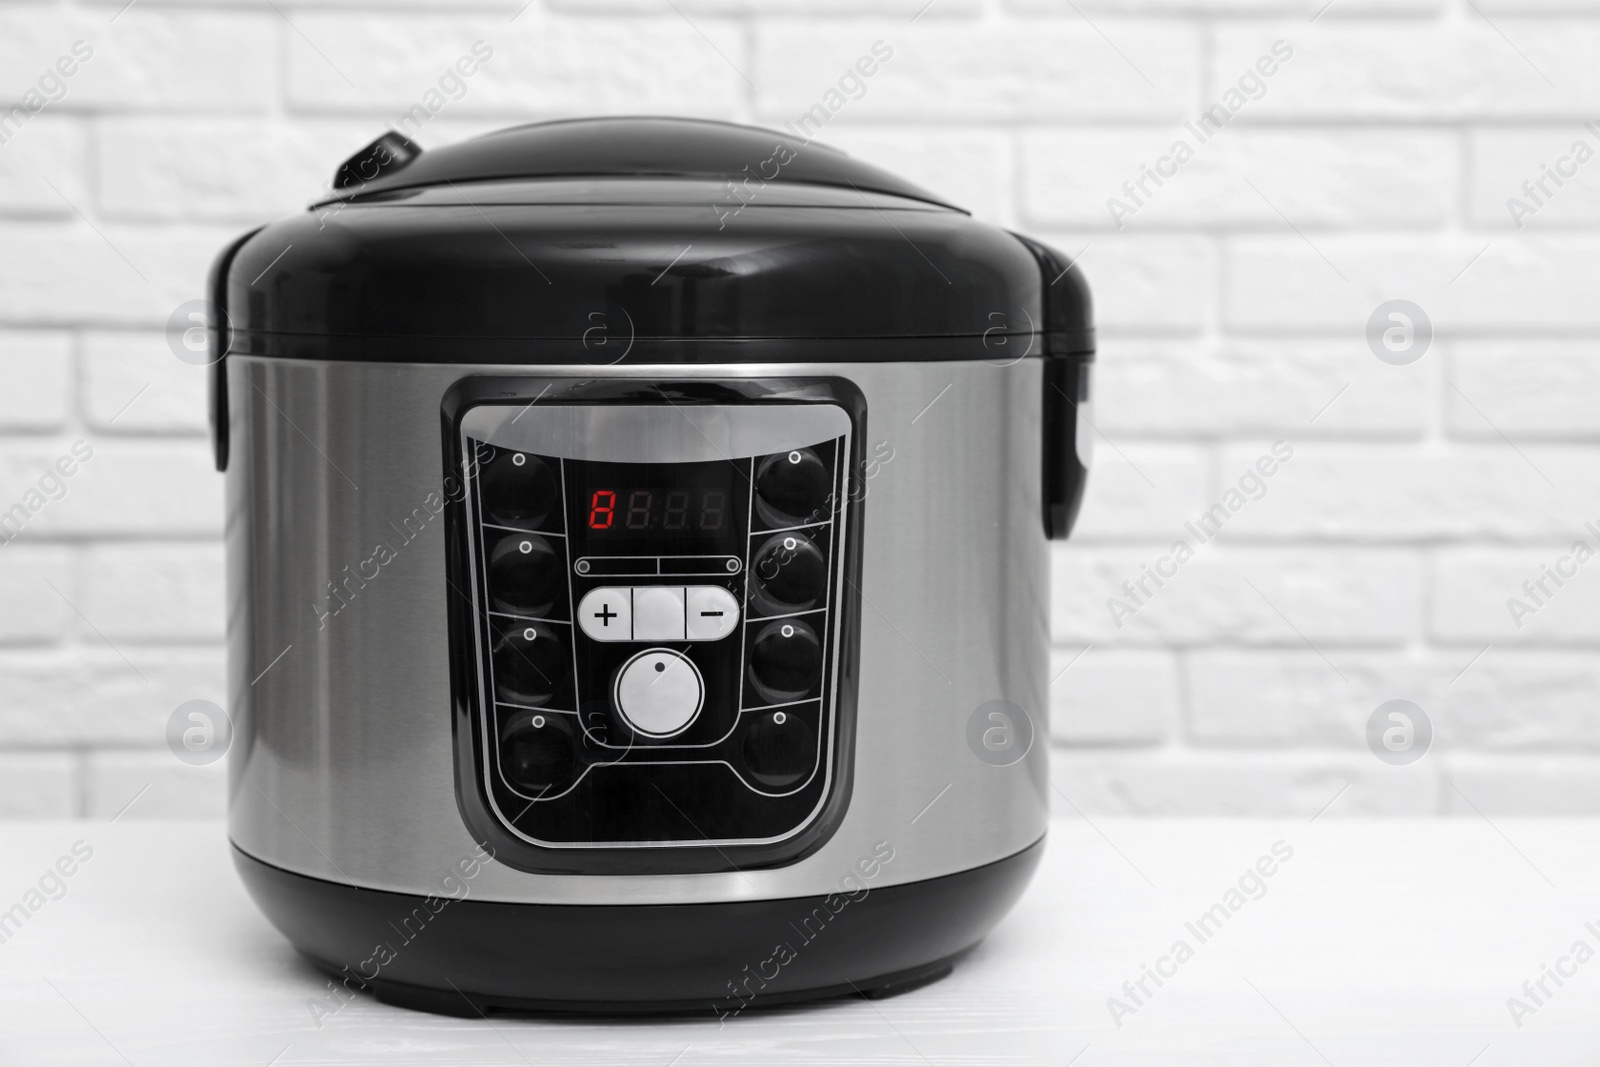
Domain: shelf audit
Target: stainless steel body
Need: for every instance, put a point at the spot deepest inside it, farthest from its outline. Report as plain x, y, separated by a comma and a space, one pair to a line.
342, 766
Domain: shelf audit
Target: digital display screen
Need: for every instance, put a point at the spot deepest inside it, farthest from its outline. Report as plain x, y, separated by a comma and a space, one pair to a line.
686, 506
672, 510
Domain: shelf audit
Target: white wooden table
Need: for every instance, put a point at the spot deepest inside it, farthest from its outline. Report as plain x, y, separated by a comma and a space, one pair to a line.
1378, 942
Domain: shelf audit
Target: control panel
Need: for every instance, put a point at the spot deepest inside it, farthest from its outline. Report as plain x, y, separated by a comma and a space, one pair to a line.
655, 632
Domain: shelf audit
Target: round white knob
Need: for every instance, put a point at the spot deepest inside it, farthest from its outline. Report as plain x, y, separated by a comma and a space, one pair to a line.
659, 692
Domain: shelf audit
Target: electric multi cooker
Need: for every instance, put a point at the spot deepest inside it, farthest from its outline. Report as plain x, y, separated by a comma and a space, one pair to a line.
637, 568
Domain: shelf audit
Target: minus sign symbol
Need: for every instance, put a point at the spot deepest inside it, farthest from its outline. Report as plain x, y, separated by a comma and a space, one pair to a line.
703, 614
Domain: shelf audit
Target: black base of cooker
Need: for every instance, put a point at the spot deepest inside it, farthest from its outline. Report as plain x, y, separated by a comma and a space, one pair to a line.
473, 957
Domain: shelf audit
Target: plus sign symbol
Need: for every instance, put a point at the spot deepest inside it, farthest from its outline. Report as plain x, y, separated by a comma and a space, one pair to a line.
605, 615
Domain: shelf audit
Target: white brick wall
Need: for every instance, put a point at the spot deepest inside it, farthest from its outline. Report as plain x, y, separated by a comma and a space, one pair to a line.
1375, 165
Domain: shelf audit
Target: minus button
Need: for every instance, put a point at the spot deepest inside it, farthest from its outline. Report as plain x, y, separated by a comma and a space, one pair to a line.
711, 612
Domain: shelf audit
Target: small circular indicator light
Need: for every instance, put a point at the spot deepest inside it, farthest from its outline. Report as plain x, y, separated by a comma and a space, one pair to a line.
530, 634
518, 459
582, 566
794, 457
787, 631
538, 722
525, 547
779, 717
788, 542
733, 565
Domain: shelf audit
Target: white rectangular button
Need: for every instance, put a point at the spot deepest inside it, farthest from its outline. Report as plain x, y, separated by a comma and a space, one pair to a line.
658, 613
606, 614
711, 612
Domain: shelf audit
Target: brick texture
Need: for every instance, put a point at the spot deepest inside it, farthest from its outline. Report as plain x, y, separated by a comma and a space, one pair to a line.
1420, 543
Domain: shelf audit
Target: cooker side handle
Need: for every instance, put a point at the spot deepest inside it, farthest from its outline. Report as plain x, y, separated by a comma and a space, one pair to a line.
219, 331
1068, 344
1068, 436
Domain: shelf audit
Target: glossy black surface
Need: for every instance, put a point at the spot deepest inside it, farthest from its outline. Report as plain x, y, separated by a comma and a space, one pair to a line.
785, 661
377, 163
472, 957
620, 146
1068, 307
744, 784
792, 488
535, 759
519, 491
591, 282
623, 240
219, 332
1065, 388
779, 748
526, 576
731, 774
531, 662
790, 571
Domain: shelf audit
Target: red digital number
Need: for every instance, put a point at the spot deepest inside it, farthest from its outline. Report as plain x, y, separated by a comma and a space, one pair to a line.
602, 509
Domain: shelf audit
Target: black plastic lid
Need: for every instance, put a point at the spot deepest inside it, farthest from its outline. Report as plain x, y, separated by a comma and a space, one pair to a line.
641, 241
616, 147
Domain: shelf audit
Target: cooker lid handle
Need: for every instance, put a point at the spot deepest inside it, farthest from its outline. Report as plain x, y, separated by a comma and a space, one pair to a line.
385, 156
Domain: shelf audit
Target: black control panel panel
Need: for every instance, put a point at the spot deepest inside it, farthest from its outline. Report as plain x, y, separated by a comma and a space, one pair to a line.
656, 643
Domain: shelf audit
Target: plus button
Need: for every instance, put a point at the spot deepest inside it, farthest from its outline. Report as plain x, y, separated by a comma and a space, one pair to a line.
606, 614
